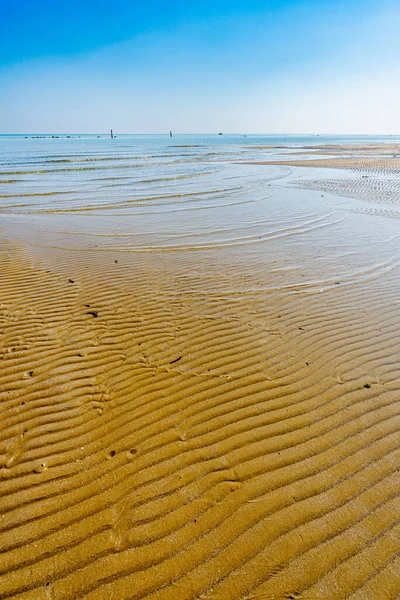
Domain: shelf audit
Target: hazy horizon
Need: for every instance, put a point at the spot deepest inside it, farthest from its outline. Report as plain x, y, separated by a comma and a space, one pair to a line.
304, 134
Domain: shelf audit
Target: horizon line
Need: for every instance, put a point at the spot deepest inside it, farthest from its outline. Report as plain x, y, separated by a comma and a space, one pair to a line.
166, 133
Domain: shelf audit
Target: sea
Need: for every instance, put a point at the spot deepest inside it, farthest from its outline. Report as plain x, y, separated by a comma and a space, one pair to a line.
190, 193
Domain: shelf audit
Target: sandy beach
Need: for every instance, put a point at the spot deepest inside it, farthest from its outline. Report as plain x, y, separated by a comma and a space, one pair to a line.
200, 374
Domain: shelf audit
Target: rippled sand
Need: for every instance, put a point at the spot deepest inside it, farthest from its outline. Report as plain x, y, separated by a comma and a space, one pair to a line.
386, 149
199, 388
375, 163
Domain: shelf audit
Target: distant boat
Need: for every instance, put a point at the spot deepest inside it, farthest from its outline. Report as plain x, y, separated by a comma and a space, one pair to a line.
170, 134
220, 134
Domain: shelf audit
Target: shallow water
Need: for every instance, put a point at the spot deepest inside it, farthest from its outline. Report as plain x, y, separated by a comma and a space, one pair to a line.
190, 194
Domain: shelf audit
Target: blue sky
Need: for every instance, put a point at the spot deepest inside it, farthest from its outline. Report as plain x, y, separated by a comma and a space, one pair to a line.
303, 66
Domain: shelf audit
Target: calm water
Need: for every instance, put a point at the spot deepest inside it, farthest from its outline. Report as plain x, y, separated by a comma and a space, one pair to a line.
187, 194
95, 172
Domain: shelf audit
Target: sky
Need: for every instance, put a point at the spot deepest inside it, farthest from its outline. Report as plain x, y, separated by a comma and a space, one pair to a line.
200, 66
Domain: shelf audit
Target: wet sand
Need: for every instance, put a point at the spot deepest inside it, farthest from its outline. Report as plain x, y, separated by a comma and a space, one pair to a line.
210, 414
341, 149
359, 163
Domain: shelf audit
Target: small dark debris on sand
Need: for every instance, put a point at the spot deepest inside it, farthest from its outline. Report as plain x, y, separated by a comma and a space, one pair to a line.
176, 360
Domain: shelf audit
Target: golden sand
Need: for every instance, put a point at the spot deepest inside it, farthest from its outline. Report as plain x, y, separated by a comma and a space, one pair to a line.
383, 157
340, 149
168, 433
359, 163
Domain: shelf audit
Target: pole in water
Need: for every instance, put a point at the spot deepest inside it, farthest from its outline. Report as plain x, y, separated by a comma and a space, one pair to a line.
112, 137
170, 134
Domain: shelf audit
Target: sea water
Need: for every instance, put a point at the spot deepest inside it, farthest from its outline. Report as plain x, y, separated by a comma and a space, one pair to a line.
191, 193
